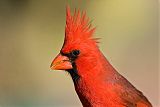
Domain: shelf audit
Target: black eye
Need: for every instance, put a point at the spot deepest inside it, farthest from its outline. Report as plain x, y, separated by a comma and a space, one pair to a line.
75, 53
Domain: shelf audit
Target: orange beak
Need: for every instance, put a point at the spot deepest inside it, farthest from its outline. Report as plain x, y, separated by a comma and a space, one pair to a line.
61, 63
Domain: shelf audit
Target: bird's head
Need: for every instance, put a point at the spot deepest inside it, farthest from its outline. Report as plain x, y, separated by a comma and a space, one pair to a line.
79, 44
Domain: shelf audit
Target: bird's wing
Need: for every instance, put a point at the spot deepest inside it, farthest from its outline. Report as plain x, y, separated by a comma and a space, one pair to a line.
131, 97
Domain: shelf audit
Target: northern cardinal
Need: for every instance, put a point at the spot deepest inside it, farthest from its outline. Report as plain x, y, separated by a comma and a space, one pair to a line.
96, 82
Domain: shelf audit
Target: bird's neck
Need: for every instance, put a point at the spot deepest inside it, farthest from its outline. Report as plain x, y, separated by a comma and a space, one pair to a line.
94, 67
89, 86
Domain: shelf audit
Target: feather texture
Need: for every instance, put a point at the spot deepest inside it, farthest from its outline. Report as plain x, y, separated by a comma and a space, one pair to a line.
96, 81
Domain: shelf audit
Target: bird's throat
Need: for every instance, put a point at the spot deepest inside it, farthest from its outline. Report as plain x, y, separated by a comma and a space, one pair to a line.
74, 75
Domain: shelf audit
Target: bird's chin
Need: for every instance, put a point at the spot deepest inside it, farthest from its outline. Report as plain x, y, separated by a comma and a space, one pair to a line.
74, 74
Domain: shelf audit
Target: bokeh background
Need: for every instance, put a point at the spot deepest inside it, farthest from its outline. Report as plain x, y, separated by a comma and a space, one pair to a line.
32, 33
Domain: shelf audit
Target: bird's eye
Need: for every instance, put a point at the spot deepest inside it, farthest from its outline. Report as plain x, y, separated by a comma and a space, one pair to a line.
75, 53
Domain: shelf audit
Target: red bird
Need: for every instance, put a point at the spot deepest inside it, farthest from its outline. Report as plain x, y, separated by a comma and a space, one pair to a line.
96, 82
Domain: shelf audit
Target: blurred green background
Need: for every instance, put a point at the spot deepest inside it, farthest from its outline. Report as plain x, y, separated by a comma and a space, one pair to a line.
32, 33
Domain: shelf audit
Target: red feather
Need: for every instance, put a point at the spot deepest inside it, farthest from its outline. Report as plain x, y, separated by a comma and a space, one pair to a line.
77, 29
98, 83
